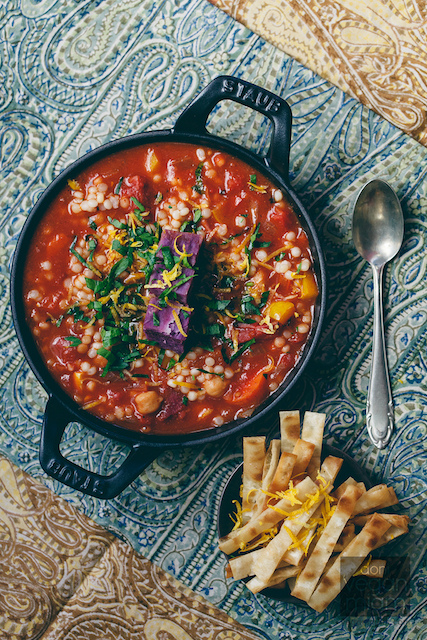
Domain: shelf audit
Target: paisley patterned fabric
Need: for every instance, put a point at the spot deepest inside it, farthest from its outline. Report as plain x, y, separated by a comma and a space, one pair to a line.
63, 576
376, 51
75, 75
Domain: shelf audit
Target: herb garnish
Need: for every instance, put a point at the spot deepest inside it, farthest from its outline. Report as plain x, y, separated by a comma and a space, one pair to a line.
199, 186
118, 186
220, 375
241, 350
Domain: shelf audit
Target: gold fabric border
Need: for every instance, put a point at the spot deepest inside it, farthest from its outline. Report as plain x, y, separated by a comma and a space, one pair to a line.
64, 577
374, 50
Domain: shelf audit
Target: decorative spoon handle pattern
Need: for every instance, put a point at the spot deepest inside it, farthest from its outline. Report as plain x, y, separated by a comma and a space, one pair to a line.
379, 404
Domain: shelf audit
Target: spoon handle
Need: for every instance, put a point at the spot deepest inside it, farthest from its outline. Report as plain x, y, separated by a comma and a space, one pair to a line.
379, 405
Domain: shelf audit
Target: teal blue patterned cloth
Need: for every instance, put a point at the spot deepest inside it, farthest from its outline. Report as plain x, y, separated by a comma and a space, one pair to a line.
77, 74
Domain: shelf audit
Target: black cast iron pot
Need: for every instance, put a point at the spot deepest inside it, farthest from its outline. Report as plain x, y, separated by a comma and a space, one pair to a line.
61, 409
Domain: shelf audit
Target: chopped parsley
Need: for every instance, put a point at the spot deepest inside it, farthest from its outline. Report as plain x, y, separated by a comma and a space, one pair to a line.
240, 351
118, 186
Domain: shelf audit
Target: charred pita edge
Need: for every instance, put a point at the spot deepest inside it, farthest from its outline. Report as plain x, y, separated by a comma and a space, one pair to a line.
312, 431
304, 452
253, 464
289, 429
340, 490
347, 535
378, 497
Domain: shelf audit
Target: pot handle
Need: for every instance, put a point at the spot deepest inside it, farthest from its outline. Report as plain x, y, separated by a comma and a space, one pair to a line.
53, 462
193, 119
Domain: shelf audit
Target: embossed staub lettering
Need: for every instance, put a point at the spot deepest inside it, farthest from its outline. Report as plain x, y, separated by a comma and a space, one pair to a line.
76, 479
249, 95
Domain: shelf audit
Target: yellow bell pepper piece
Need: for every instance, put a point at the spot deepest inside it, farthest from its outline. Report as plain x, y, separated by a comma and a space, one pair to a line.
152, 161
281, 311
308, 287
78, 378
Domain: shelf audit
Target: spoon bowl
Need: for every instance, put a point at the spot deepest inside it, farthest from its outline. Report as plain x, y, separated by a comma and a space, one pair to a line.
377, 235
377, 223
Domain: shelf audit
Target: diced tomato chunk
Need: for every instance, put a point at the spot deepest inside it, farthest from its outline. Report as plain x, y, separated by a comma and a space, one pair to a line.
133, 187
248, 331
62, 349
232, 181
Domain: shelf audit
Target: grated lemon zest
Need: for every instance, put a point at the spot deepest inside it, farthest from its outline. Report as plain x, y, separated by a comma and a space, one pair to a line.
190, 385
258, 263
237, 517
178, 323
259, 188
246, 239
173, 274
276, 253
183, 253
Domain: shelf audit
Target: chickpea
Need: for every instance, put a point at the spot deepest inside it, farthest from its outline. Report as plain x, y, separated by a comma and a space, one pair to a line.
215, 387
148, 402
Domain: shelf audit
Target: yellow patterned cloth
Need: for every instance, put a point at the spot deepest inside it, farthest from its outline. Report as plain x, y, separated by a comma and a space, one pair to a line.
374, 50
63, 576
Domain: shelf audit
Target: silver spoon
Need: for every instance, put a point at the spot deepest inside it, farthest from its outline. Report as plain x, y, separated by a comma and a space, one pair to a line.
378, 236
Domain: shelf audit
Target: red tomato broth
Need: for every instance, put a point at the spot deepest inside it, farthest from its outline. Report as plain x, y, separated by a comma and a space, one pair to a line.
205, 388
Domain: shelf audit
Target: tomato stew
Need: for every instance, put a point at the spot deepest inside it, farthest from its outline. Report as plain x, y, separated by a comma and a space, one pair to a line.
170, 288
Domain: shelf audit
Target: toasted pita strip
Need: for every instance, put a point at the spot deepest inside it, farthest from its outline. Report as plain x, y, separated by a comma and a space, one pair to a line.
280, 575
345, 538
391, 534
266, 563
304, 452
289, 429
330, 469
312, 431
279, 482
378, 497
394, 519
270, 463
339, 491
242, 566
309, 577
399, 526
348, 562
283, 473
267, 519
253, 464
